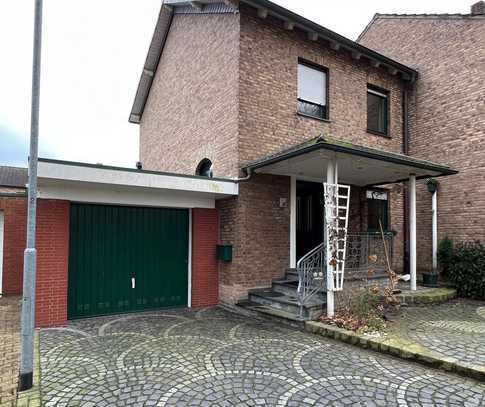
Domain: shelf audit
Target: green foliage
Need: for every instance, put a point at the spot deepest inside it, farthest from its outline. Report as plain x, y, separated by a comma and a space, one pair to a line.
466, 269
366, 302
365, 313
445, 254
367, 306
372, 324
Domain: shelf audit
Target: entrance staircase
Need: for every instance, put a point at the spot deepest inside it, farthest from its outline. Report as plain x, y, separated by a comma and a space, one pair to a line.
280, 301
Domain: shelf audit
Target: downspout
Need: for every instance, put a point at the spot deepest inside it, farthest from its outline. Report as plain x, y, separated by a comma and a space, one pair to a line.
247, 177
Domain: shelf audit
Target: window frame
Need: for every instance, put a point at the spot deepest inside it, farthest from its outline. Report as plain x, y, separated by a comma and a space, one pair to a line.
387, 227
384, 94
325, 71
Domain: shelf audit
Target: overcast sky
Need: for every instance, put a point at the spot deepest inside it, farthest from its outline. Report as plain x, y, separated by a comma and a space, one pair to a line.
92, 56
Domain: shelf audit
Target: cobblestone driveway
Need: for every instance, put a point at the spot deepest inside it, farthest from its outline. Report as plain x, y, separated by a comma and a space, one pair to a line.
9, 349
215, 358
454, 330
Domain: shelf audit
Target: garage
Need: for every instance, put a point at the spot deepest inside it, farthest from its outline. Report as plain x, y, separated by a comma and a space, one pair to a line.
115, 240
124, 259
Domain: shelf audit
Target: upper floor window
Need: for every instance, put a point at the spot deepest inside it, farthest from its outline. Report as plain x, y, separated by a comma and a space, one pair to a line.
204, 168
312, 90
377, 210
377, 110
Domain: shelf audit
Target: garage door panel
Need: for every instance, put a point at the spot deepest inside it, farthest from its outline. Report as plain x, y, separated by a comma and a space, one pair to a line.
111, 245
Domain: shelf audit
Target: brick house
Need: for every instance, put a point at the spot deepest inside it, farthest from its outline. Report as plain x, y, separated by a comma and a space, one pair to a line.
13, 213
447, 112
249, 116
249, 89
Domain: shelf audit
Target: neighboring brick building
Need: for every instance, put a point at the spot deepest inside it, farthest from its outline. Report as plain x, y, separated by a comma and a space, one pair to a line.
227, 90
13, 217
447, 105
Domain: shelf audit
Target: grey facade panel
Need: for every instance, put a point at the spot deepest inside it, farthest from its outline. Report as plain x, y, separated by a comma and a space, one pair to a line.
13, 177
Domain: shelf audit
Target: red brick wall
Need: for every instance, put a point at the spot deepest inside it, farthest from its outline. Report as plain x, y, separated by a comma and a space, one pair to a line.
15, 215
205, 276
52, 262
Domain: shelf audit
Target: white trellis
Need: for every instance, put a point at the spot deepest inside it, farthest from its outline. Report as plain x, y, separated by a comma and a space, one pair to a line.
337, 200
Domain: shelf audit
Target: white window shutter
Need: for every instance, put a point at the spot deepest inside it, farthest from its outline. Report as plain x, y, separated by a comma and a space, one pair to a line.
311, 85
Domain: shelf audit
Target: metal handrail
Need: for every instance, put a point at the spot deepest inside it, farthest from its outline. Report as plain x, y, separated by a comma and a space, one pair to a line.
311, 276
360, 248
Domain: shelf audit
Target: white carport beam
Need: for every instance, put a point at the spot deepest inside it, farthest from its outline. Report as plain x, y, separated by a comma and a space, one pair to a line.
412, 230
332, 178
293, 222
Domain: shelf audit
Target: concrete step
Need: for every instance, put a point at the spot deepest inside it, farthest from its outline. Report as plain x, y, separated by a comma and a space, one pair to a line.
288, 303
272, 314
291, 274
290, 287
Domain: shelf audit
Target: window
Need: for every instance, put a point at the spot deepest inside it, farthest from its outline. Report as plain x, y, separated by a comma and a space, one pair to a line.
204, 168
377, 209
377, 110
312, 90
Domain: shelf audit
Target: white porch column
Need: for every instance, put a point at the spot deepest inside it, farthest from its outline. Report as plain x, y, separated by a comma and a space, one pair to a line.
434, 206
331, 179
412, 230
293, 222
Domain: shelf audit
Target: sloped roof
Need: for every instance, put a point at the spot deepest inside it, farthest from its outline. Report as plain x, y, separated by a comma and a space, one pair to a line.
430, 16
332, 144
171, 7
13, 176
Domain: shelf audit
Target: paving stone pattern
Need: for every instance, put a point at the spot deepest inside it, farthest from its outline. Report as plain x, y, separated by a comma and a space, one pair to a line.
215, 358
454, 330
9, 349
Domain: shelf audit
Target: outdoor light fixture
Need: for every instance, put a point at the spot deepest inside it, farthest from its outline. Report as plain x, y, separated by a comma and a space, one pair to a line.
432, 185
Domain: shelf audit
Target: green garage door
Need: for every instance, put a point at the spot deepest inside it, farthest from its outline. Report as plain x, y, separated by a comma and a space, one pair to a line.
125, 259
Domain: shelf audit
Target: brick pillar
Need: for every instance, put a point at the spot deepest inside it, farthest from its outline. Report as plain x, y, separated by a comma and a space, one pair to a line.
52, 262
205, 277
15, 215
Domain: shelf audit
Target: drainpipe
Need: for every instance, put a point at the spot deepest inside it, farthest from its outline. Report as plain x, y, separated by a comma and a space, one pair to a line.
434, 200
247, 177
405, 122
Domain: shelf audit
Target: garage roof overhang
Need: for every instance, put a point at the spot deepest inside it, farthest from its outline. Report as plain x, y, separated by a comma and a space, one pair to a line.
357, 165
81, 182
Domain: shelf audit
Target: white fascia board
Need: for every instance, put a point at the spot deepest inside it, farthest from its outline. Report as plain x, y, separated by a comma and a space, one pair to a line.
122, 195
119, 177
188, 2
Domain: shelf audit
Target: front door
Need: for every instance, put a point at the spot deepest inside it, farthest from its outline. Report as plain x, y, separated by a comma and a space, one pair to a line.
309, 216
